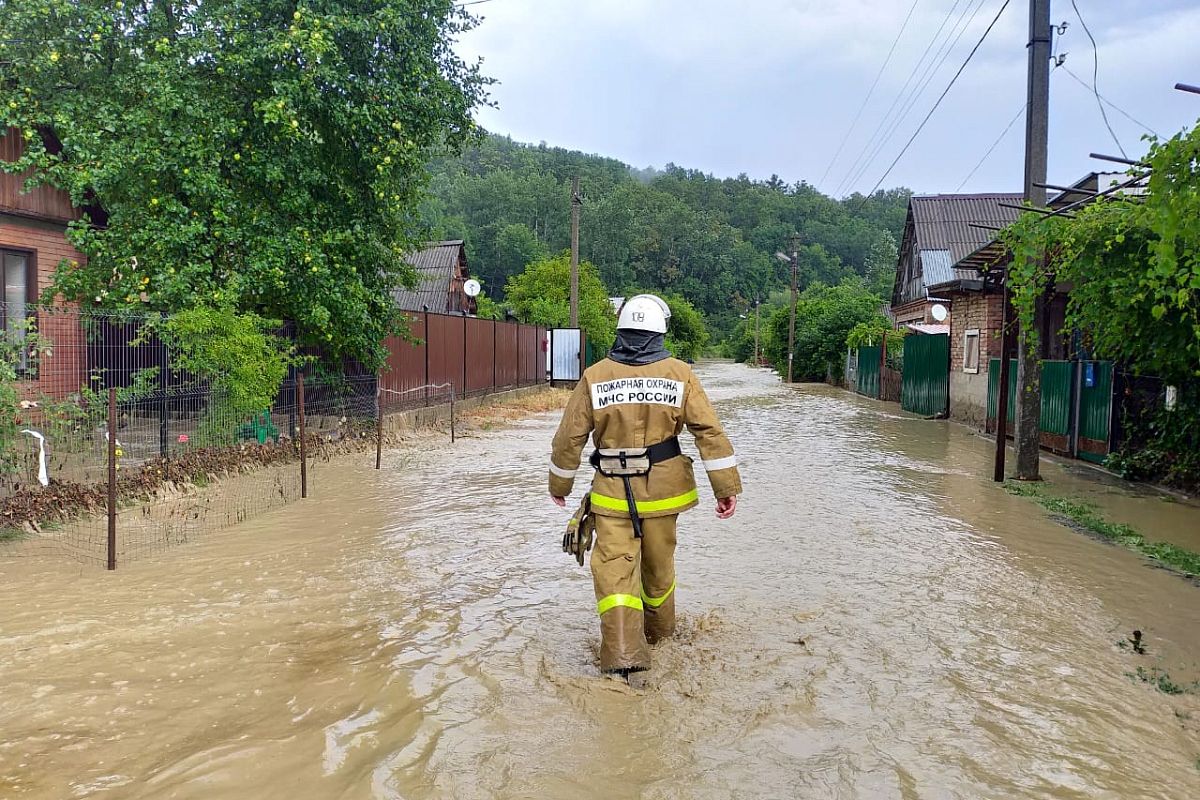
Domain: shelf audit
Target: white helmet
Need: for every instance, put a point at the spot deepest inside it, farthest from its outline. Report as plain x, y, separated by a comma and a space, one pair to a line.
644, 312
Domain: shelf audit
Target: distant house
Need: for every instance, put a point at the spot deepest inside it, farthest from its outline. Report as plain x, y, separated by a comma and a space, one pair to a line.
33, 241
33, 228
940, 234
441, 274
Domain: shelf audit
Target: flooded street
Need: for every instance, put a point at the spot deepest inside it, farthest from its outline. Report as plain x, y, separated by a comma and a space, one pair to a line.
878, 620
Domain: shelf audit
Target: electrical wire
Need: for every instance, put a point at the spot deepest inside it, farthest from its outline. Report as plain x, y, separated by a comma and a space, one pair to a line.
995, 144
1095, 79
870, 91
1110, 103
918, 90
942, 97
903, 89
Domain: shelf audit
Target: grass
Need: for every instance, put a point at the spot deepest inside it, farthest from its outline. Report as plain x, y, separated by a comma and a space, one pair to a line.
1161, 680
1089, 519
12, 535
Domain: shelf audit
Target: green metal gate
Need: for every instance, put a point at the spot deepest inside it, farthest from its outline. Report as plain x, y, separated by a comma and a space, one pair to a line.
1058, 395
1095, 409
925, 389
868, 371
1057, 377
994, 381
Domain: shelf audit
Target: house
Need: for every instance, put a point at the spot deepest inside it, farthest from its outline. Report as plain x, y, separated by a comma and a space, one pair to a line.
941, 233
441, 274
33, 241
33, 229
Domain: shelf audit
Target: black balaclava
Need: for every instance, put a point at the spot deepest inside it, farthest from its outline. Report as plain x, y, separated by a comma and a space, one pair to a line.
637, 348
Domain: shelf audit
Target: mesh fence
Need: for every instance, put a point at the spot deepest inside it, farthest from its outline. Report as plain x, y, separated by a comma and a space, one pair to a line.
90, 392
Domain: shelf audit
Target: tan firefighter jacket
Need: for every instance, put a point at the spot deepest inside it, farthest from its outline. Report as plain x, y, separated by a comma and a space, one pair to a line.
640, 406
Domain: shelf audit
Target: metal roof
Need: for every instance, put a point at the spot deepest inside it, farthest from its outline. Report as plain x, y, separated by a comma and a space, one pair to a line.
950, 222
437, 268
932, 330
936, 267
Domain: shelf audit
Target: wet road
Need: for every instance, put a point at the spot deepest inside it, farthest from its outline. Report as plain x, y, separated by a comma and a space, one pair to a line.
876, 621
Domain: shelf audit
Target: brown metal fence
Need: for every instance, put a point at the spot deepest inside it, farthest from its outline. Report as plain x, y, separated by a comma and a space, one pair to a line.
109, 452
474, 356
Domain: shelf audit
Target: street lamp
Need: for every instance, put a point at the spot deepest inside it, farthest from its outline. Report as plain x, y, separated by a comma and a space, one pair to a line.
794, 240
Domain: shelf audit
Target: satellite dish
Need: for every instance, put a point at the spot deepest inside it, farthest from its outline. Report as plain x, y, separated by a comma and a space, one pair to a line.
472, 288
939, 312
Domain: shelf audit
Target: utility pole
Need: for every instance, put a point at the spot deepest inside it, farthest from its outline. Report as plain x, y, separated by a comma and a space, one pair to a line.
757, 360
795, 254
1029, 379
576, 202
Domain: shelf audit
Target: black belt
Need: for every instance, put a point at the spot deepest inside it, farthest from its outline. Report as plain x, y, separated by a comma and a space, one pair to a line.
657, 453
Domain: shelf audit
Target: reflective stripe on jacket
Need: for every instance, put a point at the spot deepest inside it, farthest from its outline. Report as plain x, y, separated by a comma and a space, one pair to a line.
637, 406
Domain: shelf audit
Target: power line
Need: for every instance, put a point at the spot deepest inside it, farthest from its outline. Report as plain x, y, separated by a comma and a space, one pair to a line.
942, 97
1020, 113
918, 90
903, 89
1110, 103
870, 91
1095, 79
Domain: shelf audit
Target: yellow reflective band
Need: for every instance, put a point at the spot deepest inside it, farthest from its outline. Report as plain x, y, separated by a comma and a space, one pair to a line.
614, 600
645, 506
655, 602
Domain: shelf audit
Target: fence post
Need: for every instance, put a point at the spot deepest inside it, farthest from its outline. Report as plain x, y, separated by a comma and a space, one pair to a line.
464, 383
452, 413
495, 374
164, 411
112, 477
303, 443
427, 339
379, 426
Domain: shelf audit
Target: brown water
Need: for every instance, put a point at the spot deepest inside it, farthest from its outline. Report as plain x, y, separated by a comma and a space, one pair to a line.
876, 621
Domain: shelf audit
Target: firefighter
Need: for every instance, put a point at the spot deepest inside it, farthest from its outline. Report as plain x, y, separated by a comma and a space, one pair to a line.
634, 404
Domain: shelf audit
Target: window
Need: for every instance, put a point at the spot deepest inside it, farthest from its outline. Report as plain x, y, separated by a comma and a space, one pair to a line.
971, 350
17, 266
18, 271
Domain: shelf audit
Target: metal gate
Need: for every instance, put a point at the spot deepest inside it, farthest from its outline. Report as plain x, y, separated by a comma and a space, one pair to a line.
926, 384
1076, 405
868, 371
566, 354
1095, 409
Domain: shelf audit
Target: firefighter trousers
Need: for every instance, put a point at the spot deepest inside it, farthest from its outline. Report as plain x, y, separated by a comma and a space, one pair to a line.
635, 589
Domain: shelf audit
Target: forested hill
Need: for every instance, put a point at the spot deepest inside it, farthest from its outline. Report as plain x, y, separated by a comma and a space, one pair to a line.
711, 240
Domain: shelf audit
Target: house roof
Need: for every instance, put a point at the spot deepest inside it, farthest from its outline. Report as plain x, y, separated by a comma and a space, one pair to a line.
937, 267
932, 330
437, 267
948, 221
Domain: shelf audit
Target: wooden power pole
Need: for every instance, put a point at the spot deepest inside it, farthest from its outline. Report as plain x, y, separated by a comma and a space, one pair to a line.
1029, 379
576, 202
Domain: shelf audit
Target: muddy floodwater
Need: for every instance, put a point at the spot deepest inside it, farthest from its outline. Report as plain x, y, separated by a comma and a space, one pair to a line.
878, 621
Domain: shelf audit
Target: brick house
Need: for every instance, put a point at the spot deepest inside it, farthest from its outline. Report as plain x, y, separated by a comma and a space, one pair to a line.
33, 242
941, 234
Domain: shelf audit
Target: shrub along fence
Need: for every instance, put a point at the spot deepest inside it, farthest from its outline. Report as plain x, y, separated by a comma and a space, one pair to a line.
110, 450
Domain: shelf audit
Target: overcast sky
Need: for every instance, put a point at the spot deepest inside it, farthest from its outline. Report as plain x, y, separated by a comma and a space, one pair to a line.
772, 86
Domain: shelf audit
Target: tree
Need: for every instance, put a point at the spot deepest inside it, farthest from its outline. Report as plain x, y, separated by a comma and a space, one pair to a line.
541, 295
881, 265
825, 315
686, 334
260, 155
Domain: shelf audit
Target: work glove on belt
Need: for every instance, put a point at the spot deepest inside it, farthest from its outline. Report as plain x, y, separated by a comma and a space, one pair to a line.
580, 532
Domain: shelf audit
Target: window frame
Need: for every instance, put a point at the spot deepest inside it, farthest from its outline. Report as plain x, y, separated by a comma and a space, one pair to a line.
968, 334
27, 369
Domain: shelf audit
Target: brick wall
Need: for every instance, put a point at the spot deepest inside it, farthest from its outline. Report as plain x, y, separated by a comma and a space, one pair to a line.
62, 372
982, 312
